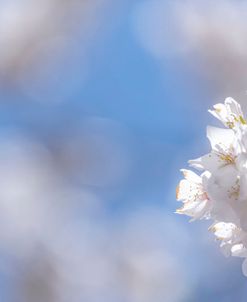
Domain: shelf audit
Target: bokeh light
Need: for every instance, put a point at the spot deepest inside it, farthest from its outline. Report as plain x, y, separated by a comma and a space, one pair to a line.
101, 102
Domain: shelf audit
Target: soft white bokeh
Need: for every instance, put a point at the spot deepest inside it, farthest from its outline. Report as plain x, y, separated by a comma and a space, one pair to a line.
209, 35
37, 38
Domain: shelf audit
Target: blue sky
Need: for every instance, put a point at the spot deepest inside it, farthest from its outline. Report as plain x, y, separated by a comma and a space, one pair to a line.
160, 113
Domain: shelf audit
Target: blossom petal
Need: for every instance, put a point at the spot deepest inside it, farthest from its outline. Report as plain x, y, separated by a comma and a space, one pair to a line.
223, 231
220, 137
238, 250
233, 106
195, 209
191, 176
210, 162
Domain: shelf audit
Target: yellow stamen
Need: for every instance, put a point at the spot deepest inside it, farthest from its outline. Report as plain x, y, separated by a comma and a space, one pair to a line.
230, 124
227, 158
217, 109
242, 120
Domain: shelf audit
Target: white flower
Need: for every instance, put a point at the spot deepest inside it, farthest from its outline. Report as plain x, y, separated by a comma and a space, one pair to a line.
191, 192
224, 150
229, 113
220, 193
225, 231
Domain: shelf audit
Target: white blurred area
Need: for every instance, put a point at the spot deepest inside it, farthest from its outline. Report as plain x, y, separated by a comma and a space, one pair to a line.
57, 243
73, 225
101, 158
210, 36
37, 38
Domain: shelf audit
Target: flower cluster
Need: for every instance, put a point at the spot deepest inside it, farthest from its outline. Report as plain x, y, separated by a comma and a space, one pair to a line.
219, 192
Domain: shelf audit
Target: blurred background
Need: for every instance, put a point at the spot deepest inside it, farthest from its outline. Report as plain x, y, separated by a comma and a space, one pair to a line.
101, 103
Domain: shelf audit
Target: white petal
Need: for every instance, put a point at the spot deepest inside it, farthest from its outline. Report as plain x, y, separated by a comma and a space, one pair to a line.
233, 106
230, 113
238, 250
189, 187
222, 186
195, 209
243, 187
205, 177
219, 112
243, 139
191, 176
223, 231
223, 211
183, 190
211, 162
220, 137
197, 163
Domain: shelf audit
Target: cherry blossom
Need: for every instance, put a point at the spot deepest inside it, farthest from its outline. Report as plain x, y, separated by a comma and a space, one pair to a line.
219, 193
